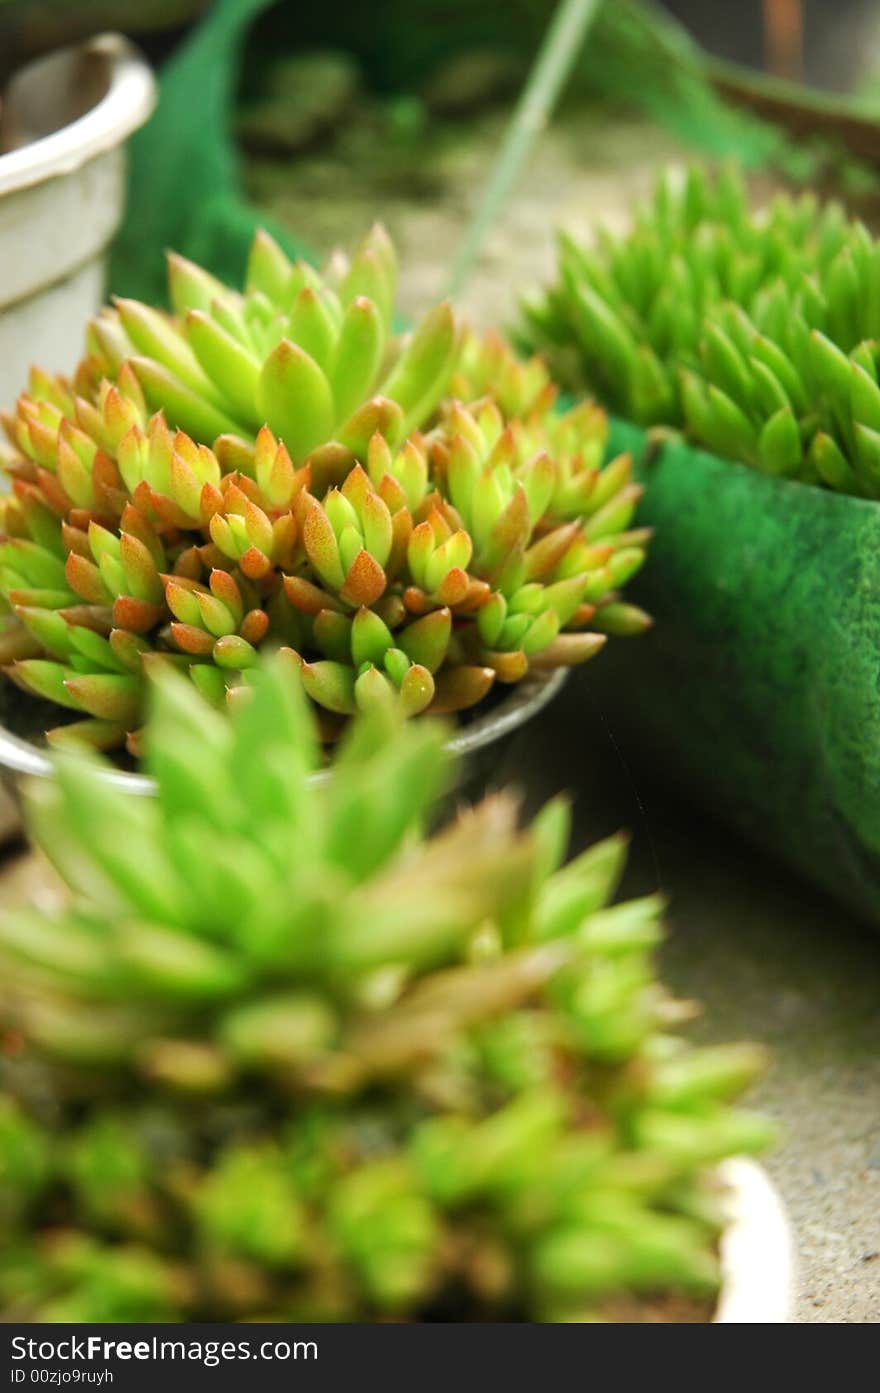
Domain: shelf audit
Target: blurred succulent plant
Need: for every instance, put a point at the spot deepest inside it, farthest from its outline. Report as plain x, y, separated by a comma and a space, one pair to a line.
283, 1056
758, 333
276, 468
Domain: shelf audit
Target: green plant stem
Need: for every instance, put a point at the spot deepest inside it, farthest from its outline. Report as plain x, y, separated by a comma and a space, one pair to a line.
561, 46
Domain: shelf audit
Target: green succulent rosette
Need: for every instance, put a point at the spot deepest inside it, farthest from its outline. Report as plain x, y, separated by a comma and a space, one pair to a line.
276, 468
758, 333
282, 1056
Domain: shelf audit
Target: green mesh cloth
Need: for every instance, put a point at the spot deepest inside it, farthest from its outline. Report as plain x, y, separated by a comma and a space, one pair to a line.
184, 187
757, 693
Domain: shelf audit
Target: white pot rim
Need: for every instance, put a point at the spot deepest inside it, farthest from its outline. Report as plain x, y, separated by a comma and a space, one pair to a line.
757, 1251
128, 101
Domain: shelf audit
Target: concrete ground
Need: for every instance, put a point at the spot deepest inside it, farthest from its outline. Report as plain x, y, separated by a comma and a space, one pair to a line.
771, 960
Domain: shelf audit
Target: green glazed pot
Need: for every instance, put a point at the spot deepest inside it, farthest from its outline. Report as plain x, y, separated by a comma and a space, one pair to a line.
758, 690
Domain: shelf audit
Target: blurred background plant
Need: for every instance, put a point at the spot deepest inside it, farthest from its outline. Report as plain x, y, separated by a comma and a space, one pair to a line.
380, 93
282, 1056
755, 333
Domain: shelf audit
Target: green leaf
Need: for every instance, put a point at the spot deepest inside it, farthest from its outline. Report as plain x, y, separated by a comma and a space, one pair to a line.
295, 400
235, 371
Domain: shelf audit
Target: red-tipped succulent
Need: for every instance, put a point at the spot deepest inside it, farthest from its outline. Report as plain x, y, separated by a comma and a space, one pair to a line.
274, 468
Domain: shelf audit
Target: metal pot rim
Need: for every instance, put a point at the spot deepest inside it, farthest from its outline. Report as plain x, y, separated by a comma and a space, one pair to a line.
128, 101
524, 701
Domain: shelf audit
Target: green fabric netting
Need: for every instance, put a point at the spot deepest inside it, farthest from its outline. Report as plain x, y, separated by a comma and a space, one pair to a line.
184, 186
757, 693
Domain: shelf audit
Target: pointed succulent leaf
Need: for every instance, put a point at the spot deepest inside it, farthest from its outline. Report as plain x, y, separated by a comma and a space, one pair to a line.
268, 268
294, 399
235, 371
422, 372
183, 407
311, 326
191, 287
370, 638
357, 356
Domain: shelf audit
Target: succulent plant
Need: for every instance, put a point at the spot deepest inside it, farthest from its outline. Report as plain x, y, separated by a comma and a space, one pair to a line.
281, 1055
276, 469
757, 333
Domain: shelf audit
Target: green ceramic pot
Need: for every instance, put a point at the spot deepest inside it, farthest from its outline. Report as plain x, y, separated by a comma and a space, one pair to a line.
758, 690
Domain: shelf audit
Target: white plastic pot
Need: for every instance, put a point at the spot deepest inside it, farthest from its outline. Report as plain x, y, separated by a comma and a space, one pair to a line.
63, 125
757, 1252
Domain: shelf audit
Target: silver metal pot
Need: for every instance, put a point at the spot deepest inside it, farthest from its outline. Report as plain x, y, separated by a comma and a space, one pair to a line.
63, 124
476, 745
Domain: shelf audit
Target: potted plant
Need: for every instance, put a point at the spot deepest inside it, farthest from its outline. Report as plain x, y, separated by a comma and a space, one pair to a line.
740, 352
409, 515
284, 1057
64, 122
